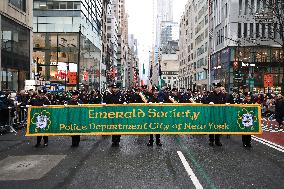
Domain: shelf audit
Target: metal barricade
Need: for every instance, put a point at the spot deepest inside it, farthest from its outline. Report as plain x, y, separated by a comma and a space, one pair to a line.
22, 116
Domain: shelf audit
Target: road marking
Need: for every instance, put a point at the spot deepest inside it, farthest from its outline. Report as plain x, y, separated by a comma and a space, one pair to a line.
189, 171
268, 143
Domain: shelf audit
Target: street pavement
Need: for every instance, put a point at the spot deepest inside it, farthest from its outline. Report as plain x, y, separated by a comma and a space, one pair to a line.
184, 161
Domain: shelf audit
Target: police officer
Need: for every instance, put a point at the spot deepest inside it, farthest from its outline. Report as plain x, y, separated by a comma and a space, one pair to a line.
115, 97
107, 94
279, 110
154, 99
95, 97
175, 97
216, 97
138, 97
247, 138
40, 100
74, 101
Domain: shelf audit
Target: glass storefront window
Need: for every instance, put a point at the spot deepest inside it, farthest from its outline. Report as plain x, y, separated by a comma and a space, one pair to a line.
39, 40
20, 4
9, 79
15, 53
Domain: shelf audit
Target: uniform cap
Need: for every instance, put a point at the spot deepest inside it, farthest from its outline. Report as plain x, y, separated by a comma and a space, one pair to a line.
115, 85
175, 90
247, 94
42, 91
217, 84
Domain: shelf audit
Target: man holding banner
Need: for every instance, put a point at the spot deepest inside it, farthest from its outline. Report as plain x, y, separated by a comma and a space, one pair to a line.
40, 100
216, 97
116, 97
155, 99
74, 101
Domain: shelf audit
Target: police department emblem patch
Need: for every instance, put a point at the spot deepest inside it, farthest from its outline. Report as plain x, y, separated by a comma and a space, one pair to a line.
246, 119
41, 120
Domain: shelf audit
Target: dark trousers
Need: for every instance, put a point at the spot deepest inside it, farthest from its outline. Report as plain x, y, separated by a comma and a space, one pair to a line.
215, 138
45, 139
116, 138
157, 138
75, 140
246, 139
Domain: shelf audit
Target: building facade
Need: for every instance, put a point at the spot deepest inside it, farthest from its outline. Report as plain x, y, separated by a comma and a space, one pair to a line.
119, 12
165, 30
132, 69
16, 39
193, 45
244, 48
170, 65
112, 36
67, 43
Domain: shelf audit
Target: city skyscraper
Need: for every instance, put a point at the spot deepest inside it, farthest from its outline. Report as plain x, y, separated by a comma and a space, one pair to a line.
164, 15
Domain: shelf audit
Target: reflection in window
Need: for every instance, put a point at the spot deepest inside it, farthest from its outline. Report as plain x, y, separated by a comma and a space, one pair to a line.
20, 4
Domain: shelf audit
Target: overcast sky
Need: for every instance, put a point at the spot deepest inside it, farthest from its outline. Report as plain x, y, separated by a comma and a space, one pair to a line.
140, 23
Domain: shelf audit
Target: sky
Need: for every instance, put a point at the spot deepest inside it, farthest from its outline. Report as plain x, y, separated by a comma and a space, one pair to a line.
140, 23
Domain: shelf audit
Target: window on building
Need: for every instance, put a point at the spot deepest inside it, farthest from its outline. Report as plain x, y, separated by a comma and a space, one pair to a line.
257, 30
218, 36
246, 7
252, 6
269, 30
20, 4
245, 29
77, 5
240, 6
63, 5
69, 5
263, 30
251, 30
226, 10
257, 6
206, 19
275, 30
226, 32
55, 5
222, 35
239, 30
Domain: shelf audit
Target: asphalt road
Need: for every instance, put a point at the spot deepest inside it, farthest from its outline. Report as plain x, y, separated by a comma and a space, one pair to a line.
95, 164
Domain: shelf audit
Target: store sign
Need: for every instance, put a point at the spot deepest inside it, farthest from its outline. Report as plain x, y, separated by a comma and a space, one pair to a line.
72, 77
268, 80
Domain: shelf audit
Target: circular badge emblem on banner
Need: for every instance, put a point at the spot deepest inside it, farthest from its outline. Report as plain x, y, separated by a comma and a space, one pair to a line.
41, 120
246, 119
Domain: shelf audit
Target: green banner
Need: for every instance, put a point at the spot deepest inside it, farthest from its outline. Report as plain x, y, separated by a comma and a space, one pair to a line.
144, 119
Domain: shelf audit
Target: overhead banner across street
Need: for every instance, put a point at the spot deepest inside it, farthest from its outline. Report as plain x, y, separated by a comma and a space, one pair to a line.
144, 119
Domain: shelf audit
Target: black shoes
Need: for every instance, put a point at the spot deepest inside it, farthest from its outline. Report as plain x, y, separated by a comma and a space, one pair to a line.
115, 144
247, 145
150, 143
159, 143
37, 145
218, 143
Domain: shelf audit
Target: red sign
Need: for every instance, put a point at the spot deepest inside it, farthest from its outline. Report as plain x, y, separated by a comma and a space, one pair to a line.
86, 76
268, 80
72, 78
